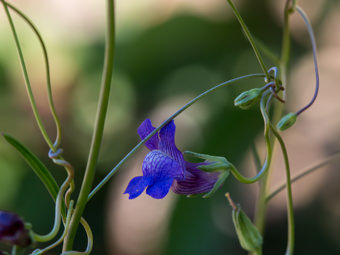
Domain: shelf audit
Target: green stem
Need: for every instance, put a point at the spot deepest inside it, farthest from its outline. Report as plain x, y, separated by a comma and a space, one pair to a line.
258, 251
48, 75
250, 39
303, 173
89, 240
26, 78
58, 206
183, 108
98, 128
266, 164
290, 209
285, 52
293, 5
261, 205
56, 243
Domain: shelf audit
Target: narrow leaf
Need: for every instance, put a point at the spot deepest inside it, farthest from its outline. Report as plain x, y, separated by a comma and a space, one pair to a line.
37, 166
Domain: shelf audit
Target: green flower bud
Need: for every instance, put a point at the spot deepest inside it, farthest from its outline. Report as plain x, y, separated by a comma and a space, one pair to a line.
287, 121
248, 98
247, 233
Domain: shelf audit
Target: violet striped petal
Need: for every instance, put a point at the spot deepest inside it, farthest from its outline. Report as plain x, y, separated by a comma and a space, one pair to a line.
196, 181
160, 166
144, 130
167, 143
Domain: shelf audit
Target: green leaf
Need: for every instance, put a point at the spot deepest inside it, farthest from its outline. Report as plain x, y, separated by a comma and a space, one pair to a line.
37, 166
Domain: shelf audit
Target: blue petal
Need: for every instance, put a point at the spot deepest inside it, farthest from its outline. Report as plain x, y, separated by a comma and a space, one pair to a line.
137, 185
196, 181
144, 130
159, 166
167, 143
159, 189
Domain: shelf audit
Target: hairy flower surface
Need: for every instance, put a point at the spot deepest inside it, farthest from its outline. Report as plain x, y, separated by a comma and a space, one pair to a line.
12, 230
164, 167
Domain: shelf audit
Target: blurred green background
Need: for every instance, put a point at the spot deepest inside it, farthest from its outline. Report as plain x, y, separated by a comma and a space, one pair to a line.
166, 54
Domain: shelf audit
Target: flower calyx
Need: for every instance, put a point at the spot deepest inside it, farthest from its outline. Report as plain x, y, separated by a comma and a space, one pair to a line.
213, 164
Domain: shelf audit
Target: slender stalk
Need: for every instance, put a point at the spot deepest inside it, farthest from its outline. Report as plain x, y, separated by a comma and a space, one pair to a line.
267, 161
285, 52
56, 243
26, 78
304, 173
89, 240
290, 209
48, 73
260, 211
261, 205
58, 206
316, 69
183, 108
250, 39
98, 128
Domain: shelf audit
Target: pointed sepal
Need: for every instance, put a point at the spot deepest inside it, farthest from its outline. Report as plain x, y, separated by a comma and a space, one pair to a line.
248, 235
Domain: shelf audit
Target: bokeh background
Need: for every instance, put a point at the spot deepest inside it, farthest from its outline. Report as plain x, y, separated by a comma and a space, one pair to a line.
167, 53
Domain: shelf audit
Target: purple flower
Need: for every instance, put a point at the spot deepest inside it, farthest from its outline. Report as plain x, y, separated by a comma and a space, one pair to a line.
12, 230
164, 167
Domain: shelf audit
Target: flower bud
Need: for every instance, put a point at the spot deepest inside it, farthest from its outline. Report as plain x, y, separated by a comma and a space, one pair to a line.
247, 233
248, 98
12, 230
287, 121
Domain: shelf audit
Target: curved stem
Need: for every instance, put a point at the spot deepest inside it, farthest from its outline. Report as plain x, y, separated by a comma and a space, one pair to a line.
261, 204
61, 238
58, 206
316, 69
250, 39
290, 209
98, 128
304, 173
48, 75
267, 161
26, 78
183, 108
89, 240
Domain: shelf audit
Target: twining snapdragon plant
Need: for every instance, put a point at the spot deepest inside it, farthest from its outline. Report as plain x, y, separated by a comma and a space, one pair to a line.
164, 168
